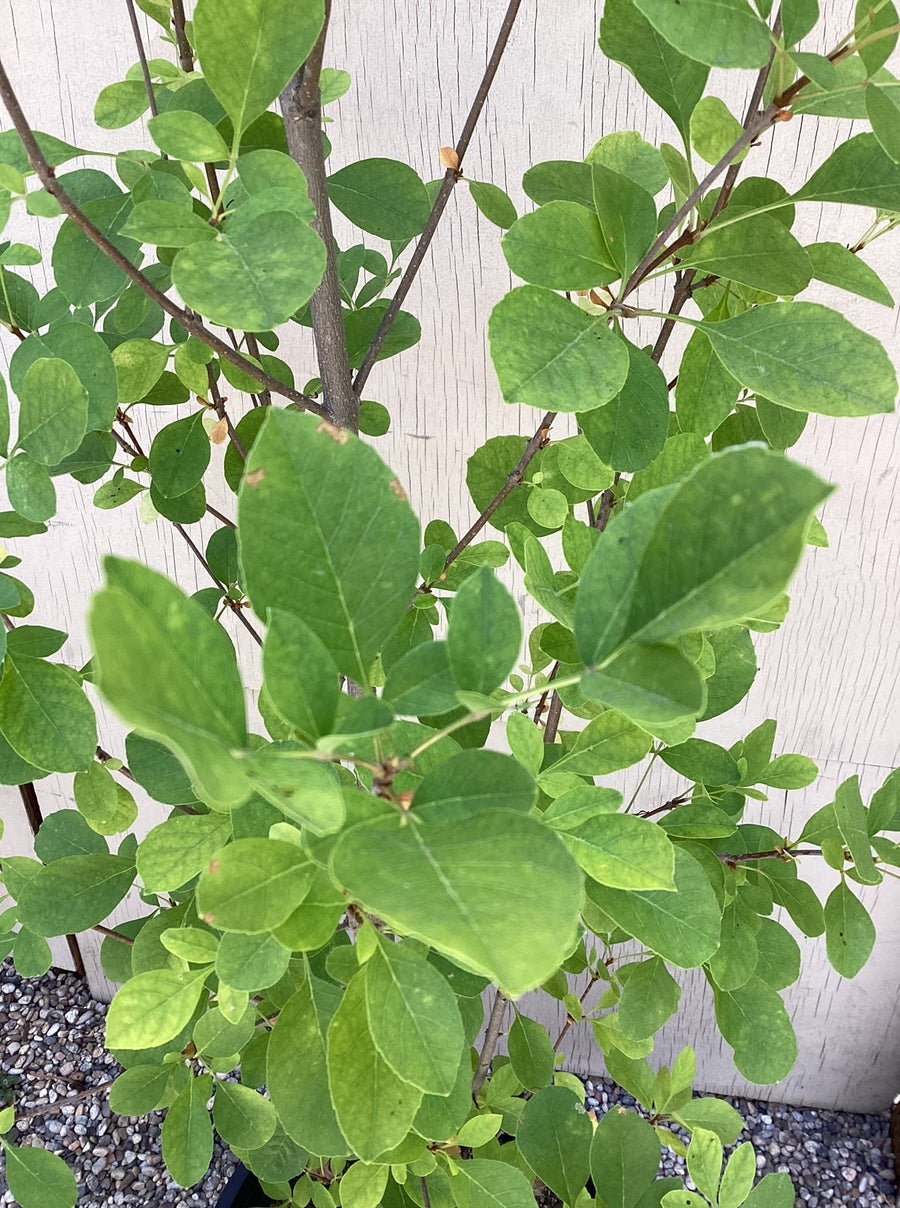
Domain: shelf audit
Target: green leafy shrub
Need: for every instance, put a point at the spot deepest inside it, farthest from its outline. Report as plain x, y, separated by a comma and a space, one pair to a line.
331, 903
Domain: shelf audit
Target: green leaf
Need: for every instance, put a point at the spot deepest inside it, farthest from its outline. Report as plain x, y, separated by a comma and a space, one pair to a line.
738, 1177
65, 833
140, 1090
759, 252
622, 851
187, 1135
84, 274
671, 79
643, 583
479, 1130
31, 954
120, 104
299, 543
625, 152
779, 955
53, 411
246, 962
300, 675
74, 893
525, 741
560, 180
421, 682
165, 222
808, 357
735, 670
190, 944
772, 1191
254, 275
719, 33
38, 1178
139, 365
253, 885
382, 197
704, 1162
753, 1021
83, 349
480, 1183
440, 882
362, 1185
374, 1108
713, 1114
624, 1158
849, 931
884, 117
858, 172
681, 927
884, 809
868, 20
413, 1019
736, 960
118, 491
789, 772
850, 815
242, 1116
627, 216
30, 488
186, 135
248, 58
714, 130
652, 685
45, 716
179, 456
297, 1077
703, 761
531, 1053
108, 807
484, 634
649, 999
471, 782
560, 246
494, 204
837, 265
554, 1137
630, 430
581, 804
606, 744
177, 850
152, 1008
698, 821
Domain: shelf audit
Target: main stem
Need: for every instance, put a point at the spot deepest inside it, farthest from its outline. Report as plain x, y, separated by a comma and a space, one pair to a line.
491, 1037
302, 110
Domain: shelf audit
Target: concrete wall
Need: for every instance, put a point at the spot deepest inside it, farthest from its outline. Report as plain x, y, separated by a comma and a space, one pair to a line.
830, 677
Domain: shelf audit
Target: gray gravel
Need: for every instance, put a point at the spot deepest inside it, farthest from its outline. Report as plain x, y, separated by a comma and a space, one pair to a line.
51, 1045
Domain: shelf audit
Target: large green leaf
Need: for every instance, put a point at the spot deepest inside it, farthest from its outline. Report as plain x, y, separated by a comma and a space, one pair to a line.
65, 833
187, 1135
38, 1178
303, 789
627, 216
652, 685
242, 1116
719, 33
310, 547
440, 882
45, 716
858, 172
168, 668
560, 246
698, 554
153, 1007
554, 1137
808, 357
473, 781
850, 816
85, 274
606, 744
374, 1107
837, 265
246, 962
29, 488
630, 430
84, 350
184, 134
705, 392
74, 893
484, 634
755, 1024
759, 252
252, 885
301, 677
179, 849
545, 350
297, 1075
179, 456
381, 196
480, 1183
413, 1018
675, 81
624, 1158
849, 931
53, 411
623, 851
649, 999
249, 49
681, 927
252, 276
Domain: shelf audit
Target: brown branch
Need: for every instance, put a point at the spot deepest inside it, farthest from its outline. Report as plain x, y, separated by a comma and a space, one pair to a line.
776, 853
218, 403
542, 703
423, 1187
264, 398
514, 479
451, 176
491, 1037
302, 109
185, 56
569, 1020
221, 517
50, 1108
110, 934
554, 714
142, 56
104, 757
189, 321
662, 809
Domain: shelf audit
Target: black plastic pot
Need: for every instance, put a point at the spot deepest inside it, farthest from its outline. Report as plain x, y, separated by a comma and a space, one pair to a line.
243, 1191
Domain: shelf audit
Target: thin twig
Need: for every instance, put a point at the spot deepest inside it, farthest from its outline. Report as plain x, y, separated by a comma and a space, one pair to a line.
110, 934
665, 807
775, 853
185, 57
142, 56
450, 178
264, 398
50, 1108
491, 1037
302, 109
423, 1187
554, 714
189, 321
218, 403
541, 706
514, 479
569, 1020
